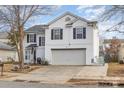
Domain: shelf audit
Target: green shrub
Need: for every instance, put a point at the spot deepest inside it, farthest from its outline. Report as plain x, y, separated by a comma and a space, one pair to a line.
121, 62
45, 62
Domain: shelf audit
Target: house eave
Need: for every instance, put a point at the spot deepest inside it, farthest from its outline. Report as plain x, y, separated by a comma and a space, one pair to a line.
68, 13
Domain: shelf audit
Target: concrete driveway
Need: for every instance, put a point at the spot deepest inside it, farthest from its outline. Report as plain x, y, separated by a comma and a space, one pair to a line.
61, 74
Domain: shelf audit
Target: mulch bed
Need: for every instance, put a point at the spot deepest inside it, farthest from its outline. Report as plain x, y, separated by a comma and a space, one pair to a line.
115, 70
32, 68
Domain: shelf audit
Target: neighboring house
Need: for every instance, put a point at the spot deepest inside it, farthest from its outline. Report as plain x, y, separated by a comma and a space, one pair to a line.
67, 40
6, 51
3, 37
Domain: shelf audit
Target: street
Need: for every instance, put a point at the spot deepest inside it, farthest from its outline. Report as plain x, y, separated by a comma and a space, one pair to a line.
11, 84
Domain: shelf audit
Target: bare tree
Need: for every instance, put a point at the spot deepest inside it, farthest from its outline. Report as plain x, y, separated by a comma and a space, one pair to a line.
116, 11
13, 37
15, 17
113, 49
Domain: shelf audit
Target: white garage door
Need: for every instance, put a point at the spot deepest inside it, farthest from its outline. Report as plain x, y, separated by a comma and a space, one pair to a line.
69, 57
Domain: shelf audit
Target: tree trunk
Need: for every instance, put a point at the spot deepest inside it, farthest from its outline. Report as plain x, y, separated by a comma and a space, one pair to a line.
21, 32
18, 51
17, 46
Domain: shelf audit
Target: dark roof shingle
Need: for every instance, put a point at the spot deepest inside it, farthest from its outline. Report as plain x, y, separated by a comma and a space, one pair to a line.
5, 46
37, 28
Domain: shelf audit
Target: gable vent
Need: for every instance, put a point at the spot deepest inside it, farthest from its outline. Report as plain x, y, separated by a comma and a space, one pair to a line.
67, 19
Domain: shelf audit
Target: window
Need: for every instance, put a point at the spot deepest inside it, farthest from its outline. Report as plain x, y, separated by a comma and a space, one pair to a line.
56, 34
79, 33
41, 41
31, 38
27, 54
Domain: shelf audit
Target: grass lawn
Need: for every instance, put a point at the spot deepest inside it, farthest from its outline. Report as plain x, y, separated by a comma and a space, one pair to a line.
115, 69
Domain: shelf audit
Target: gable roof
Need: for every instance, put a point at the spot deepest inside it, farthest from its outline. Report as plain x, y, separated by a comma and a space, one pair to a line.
5, 46
37, 28
41, 28
69, 13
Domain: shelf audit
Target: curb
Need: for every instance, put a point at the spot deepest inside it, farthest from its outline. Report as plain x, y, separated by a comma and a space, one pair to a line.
99, 82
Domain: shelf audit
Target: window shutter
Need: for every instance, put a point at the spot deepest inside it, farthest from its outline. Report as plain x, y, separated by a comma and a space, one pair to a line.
61, 33
51, 34
74, 33
39, 41
34, 37
84, 33
27, 38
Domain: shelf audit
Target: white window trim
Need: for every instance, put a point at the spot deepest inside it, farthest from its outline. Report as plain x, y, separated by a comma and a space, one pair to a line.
42, 41
79, 32
59, 33
81, 27
31, 38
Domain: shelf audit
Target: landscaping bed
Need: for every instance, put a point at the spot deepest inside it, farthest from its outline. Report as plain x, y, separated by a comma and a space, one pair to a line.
27, 70
9, 66
115, 70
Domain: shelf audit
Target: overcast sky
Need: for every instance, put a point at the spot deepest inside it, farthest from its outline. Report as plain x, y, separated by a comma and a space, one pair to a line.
89, 12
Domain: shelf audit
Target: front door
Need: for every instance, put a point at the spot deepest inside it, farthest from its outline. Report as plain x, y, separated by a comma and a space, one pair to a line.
27, 56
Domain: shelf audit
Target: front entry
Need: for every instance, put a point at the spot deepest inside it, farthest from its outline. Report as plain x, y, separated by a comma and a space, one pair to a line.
30, 53
30, 56
27, 56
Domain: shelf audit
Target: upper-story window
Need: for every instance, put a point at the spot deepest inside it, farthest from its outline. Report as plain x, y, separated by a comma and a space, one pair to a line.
79, 33
41, 41
56, 34
31, 38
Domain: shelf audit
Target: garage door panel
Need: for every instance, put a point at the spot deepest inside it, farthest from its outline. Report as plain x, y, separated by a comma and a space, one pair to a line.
69, 57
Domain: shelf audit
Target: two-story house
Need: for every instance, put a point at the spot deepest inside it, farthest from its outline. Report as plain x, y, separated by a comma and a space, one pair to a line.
67, 40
